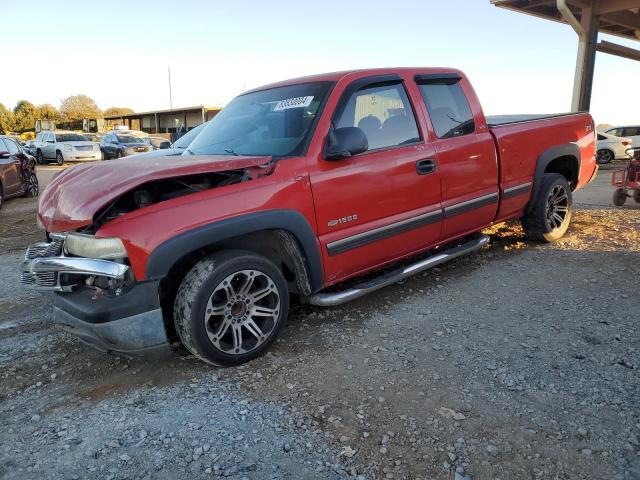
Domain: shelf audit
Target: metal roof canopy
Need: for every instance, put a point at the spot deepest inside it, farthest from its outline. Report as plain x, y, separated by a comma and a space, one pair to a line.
587, 18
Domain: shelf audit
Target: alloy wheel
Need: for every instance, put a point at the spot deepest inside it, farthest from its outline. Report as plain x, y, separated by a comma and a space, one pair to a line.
32, 186
603, 156
242, 312
557, 207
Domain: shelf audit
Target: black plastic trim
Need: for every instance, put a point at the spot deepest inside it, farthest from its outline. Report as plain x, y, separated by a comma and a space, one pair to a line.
365, 238
516, 190
549, 155
464, 207
448, 78
84, 303
168, 253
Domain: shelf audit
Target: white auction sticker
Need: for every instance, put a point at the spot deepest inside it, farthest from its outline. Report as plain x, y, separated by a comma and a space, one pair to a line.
298, 102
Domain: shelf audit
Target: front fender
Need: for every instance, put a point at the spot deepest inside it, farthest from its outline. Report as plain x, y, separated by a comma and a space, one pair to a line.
163, 257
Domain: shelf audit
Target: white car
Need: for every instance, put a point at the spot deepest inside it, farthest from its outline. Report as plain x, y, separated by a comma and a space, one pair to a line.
611, 148
631, 132
65, 147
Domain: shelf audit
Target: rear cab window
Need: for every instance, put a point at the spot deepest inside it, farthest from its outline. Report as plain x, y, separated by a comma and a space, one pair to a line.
447, 105
383, 113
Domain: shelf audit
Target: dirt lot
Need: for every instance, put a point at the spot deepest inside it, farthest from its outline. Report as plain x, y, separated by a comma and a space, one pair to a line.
520, 362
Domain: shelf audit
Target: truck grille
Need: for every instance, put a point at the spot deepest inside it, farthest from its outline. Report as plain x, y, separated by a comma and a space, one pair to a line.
45, 249
84, 148
45, 279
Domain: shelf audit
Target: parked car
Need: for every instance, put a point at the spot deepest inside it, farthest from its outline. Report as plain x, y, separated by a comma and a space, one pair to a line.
630, 132
29, 146
611, 148
93, 137
65, 147
17, 171
177, 147
122, 143
159, 143
296, 188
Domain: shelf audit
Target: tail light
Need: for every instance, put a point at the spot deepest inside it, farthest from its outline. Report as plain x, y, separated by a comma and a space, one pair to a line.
626, 142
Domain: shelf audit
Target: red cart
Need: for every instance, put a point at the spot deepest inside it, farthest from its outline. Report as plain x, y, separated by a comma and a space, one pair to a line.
627, 181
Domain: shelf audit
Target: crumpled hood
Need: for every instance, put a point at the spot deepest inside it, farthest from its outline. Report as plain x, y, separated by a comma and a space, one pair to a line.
73, 197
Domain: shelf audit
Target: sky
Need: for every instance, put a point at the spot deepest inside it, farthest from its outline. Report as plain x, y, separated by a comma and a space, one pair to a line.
118, 52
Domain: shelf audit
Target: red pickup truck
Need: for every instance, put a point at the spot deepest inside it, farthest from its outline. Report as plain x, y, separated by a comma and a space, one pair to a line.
291, 190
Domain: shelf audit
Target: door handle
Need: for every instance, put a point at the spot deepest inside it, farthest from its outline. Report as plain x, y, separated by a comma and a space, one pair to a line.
426, 166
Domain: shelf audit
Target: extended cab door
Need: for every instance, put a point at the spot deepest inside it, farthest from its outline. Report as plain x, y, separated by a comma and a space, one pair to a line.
384, 203
464, 151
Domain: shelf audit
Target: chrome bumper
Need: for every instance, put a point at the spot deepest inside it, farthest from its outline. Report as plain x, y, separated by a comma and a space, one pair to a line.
45, 266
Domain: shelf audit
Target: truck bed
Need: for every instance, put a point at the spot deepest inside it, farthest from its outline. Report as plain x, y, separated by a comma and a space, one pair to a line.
499, 120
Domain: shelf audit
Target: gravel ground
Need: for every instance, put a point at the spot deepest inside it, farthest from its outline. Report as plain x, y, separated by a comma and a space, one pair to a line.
519, 362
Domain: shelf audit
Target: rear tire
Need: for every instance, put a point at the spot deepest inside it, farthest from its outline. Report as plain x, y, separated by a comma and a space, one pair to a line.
604, 156
619, 197
40, 157
1, 197
636, 195
550, 215
31, 187
230, 307
59, 159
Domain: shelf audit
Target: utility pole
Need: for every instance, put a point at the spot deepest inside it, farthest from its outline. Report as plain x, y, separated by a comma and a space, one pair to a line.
170, 100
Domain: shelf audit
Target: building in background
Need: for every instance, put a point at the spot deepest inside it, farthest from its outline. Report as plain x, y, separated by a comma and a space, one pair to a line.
164, 122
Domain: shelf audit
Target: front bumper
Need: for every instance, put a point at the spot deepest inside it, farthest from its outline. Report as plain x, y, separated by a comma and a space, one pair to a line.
130, 324
122, 317
48, 273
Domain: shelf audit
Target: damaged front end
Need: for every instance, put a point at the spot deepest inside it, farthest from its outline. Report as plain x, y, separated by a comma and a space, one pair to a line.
51, 265
97, 296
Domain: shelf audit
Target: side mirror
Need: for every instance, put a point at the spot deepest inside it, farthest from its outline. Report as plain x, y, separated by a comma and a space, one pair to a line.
164, 145
345, 142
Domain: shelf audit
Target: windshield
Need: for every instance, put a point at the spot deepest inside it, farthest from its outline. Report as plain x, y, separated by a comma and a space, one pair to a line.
184, 141
70, 137
131, 139
274, 122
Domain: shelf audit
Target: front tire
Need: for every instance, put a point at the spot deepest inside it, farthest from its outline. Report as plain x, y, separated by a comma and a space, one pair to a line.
550, 215
604, 156
230, 307
59, 159
1, 197
636, 195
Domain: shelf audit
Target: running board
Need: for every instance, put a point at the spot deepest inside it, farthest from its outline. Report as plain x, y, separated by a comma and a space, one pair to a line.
338, 298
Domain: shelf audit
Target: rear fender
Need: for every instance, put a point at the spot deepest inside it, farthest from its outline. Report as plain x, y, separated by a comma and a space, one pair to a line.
568, 154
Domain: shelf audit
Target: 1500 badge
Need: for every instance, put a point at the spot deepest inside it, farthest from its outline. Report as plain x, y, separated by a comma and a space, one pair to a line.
340, 221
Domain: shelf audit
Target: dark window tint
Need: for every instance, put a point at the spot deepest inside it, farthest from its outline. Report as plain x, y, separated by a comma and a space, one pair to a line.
631, 131
3, 147
616, 132
448, 108
11, 146
384, 114
70, 137
601, 137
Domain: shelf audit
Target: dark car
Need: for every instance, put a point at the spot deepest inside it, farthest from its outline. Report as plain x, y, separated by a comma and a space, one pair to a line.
123, 143
17, 171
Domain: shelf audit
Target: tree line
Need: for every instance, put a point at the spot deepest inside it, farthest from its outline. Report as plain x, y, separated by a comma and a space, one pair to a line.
76, 107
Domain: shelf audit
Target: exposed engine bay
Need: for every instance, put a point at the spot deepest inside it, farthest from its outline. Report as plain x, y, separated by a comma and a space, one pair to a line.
166, 189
